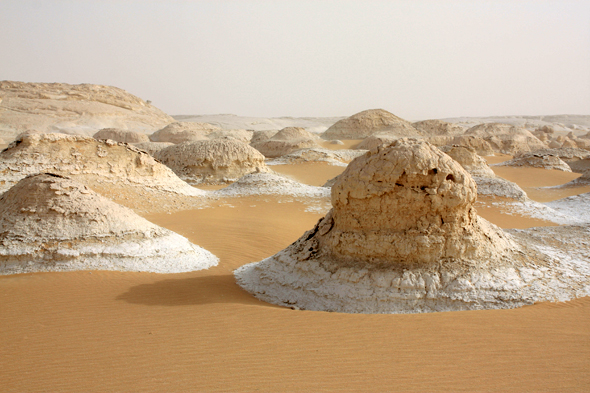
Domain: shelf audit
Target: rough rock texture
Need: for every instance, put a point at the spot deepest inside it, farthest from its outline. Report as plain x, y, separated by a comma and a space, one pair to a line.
335, 157
438, 127
180, 132
239, 135
507, 139
97, 164
469, 160
53, 223
80, 109
369, 122
272, 148
271, 184
546, 161
212, 161
372, 141
293, 133
260, 136
481, 146
403, 236
119, 135
152, 147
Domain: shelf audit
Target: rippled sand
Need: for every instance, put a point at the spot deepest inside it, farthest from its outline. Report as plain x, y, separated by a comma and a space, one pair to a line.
111, 331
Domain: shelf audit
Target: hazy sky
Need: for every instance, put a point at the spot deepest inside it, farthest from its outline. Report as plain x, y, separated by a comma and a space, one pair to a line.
417, 59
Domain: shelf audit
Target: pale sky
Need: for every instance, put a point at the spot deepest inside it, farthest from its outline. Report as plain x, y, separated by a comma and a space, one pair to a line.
417, 59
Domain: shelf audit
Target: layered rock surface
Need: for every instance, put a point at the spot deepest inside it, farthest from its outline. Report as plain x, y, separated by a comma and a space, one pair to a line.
52, 223
119, 135
403, 236
97, 164
369, 122
212, 161
80, 109
179, 132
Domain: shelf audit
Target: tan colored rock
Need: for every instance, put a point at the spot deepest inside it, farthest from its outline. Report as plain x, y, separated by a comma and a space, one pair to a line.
440, 140
260, 136
119, 135
372, 141
212, 161
554, 144
52, 223
339, 157
75, 109
369, 122
272, 148
239, 135
480, 145
403, 236
507, 139
438, 128
101, 165
152, 147
181, 131
535, 160
469, 160
583, 143
293, 133
569, 143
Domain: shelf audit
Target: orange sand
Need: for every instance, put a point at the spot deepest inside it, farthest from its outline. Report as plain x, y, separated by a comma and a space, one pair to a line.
112, 331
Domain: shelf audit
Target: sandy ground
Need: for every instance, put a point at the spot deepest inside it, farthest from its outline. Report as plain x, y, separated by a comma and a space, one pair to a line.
112, 331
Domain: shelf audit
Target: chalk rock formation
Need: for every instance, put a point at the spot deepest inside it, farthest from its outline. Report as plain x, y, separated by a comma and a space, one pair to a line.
260, 136
100, 165
239, 135
334, 157
212, 161
119, 135
286, 141
182, 131
152, 147
403, 236
369, 122
507, 139
52, 223
372, 141
265, 183
438, 128
546, 161
79, 109
469, 160
481, 146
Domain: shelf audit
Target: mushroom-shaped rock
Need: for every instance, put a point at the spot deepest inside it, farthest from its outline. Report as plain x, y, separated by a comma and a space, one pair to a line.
212, 161
403, 236
438, 128
182, 131
369, 122
118, 135
102, 164
53, 223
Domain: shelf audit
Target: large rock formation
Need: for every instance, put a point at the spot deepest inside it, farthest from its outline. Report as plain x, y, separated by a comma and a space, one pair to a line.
79, 109
119, 135
507, 139
369, 122
107, 165
403, 236
180, 132
286, 141
53, 223
469, 160
212, 161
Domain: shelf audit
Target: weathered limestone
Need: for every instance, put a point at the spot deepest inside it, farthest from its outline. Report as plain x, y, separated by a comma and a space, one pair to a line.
369, 122
53, 223
119, 135
181, 131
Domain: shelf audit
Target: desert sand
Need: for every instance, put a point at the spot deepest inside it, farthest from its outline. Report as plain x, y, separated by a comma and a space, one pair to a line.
117, 331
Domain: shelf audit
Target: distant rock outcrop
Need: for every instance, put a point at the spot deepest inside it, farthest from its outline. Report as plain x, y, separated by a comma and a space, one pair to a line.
180, 132
507, 139
369, 122
545, 161
212, 161
438, 128
119, 135
76, 109
52, 223
286, 141
403, 236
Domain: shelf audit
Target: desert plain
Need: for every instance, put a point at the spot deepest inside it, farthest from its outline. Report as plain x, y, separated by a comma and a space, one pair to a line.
84, 329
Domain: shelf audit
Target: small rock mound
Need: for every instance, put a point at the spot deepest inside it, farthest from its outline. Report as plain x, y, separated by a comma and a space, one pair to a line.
286, 141
481, 146
469, 160
369, 122
212, 161
293, 133
100, 165
152, 147
271, 184
545, 161
438, 128
53, 223
119, 135
181, 131
507, 139
239, 135
335, 157
375, 140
